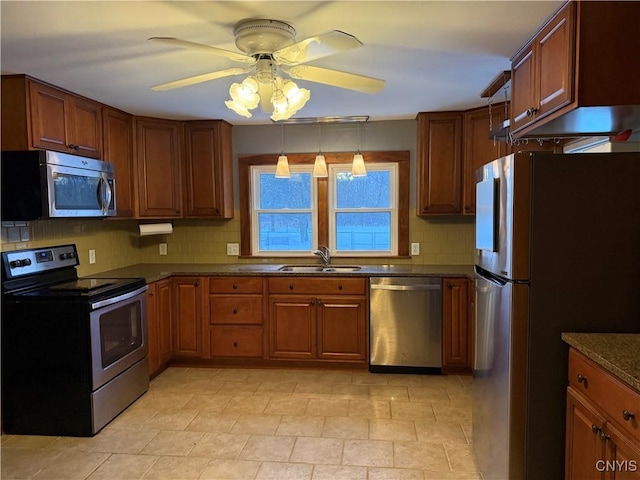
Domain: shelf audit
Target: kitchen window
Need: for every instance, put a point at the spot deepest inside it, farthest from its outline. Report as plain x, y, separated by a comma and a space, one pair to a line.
354, 216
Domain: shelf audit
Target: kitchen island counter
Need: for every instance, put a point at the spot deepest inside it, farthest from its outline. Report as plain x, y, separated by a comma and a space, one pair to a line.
617, 353
156, 271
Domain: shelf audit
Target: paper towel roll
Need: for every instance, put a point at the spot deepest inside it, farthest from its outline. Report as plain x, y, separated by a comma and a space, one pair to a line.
155, 229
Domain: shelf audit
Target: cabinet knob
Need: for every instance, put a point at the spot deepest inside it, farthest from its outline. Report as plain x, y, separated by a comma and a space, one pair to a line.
627, 415
467, 208
235, 344
595, 429
424, 209
235, 311
313, 302
603, 436
290, 287
151, 294
582, 379
197, 284
531, 111
340, 287
234, 286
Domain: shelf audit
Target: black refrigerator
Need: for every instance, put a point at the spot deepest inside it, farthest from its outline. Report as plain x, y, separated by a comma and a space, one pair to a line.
557, 250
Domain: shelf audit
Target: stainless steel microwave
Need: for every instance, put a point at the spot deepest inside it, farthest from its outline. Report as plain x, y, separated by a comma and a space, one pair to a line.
45, 184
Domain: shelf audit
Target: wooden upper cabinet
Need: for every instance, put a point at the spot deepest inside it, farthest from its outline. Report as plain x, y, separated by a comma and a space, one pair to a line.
117, 128
158, 168
577, 75
479, 149
439, 163
39, 116
208, 170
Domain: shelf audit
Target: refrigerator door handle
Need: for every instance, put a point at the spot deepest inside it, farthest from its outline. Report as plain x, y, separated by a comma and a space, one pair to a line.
489, 277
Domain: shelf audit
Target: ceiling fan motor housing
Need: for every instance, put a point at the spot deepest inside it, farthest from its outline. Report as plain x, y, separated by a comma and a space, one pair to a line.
263, 36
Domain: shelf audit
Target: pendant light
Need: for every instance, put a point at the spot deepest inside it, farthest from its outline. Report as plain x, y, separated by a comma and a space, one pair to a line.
320, 165
357, 167
282, 168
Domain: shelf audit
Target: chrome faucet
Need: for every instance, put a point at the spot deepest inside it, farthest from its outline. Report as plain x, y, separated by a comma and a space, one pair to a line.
324, 253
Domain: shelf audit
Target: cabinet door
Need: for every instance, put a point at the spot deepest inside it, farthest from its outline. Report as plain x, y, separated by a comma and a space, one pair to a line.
187, 313
479, 149
85, 128
623, 455
584, 447
439, 163
208, 170
555, 62
118, 149
292, 327
50, 113
158, 169
455, 325
164, 299
342, 328
153, 330
524, 93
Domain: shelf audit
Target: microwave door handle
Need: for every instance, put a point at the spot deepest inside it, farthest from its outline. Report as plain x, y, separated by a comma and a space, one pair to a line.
108, 194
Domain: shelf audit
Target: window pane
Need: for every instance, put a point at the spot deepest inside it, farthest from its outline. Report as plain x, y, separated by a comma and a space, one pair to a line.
294, 192
371, 191
285, 231
363, 231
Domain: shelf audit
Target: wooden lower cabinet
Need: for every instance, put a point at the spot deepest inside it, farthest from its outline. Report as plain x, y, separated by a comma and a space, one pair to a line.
187, 316
602, 431
341, 328
457, 315
292, 327
159, 325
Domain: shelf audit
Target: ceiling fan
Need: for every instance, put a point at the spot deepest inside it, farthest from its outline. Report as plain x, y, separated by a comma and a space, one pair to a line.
270, 49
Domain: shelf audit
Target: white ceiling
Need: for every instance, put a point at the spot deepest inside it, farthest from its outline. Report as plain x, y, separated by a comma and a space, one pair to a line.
434, 55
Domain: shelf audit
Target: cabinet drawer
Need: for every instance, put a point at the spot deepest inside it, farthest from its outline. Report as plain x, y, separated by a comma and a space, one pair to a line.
243, 309
236, 341
317, 286
610, 394
235, 285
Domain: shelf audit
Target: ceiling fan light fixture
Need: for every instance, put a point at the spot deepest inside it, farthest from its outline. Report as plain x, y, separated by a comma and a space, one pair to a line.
238, 108
296, 97
245, 93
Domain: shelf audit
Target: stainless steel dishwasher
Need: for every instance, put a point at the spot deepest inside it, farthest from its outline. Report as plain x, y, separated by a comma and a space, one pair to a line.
405, 315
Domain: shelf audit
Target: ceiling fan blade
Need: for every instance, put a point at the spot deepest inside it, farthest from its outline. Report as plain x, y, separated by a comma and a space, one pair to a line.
176, 42
265, 91
336, 78
316, 47
201, 78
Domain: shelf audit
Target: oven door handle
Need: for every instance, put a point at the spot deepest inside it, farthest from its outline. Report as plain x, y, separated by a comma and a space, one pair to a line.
119, 298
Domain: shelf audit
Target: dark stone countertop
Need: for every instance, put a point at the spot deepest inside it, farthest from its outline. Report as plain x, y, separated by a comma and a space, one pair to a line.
617, 353
152, 272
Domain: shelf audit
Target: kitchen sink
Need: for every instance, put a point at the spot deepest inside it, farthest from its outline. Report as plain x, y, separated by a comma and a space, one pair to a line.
319, 268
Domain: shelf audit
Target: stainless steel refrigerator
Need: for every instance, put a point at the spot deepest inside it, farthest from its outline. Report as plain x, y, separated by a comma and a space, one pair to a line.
557, 250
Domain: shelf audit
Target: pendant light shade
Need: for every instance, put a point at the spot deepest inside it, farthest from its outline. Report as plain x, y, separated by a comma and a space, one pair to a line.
282, 167
320, 165
357, 167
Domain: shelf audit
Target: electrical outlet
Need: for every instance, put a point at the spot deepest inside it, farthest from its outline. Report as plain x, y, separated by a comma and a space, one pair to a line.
163, 249
92, 256
415, 249
233, 249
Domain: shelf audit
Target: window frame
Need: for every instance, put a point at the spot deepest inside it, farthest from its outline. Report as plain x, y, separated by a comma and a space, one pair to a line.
402, 158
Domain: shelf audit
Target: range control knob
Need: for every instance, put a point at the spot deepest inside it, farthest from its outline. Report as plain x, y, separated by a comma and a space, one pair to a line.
15, 263
26, 262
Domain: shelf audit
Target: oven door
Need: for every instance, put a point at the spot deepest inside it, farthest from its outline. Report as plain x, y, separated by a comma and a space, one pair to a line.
118, 335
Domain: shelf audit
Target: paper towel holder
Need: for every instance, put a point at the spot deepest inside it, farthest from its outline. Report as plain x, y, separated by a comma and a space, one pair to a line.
155, 229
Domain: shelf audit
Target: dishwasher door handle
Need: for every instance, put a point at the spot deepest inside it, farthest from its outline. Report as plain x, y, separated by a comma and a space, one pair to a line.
405, 287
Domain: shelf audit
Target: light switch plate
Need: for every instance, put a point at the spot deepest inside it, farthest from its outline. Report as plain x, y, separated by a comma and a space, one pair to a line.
163, 249
415, 249
233, 249
92, 256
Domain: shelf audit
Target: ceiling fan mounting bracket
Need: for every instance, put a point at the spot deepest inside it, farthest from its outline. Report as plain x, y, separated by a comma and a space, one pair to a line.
263, 36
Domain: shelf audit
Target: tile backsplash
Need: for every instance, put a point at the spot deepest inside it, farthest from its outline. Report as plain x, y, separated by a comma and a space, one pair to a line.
446, 240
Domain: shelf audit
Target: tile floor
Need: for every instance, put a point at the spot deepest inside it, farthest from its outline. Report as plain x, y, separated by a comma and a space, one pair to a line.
226, 424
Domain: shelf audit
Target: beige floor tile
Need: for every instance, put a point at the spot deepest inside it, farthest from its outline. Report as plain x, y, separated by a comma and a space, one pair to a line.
300, 426
344, 390
336, 472
468, 431
388, 392
412, 411
275, 386
312, 388
328, 407
132, 419
284, 471
334, 377
233, 375
256, 424
346, 427
161, 401
366, 378
174, 468
239, 388
322, 451
168, 383
429, 456
462, 458
122, 441
219, 445
172, 443
287, 405
372, 453
435, 475
440, 432
25, 462
230, 470
212, 403
123, 467
203, 372
82, 443
207, 421
428, 394
268, 448
370, 408
171, 419
29, 441
203, 386
451, 413
406, 380
394, 430
70, 465
247, 404
395, 474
